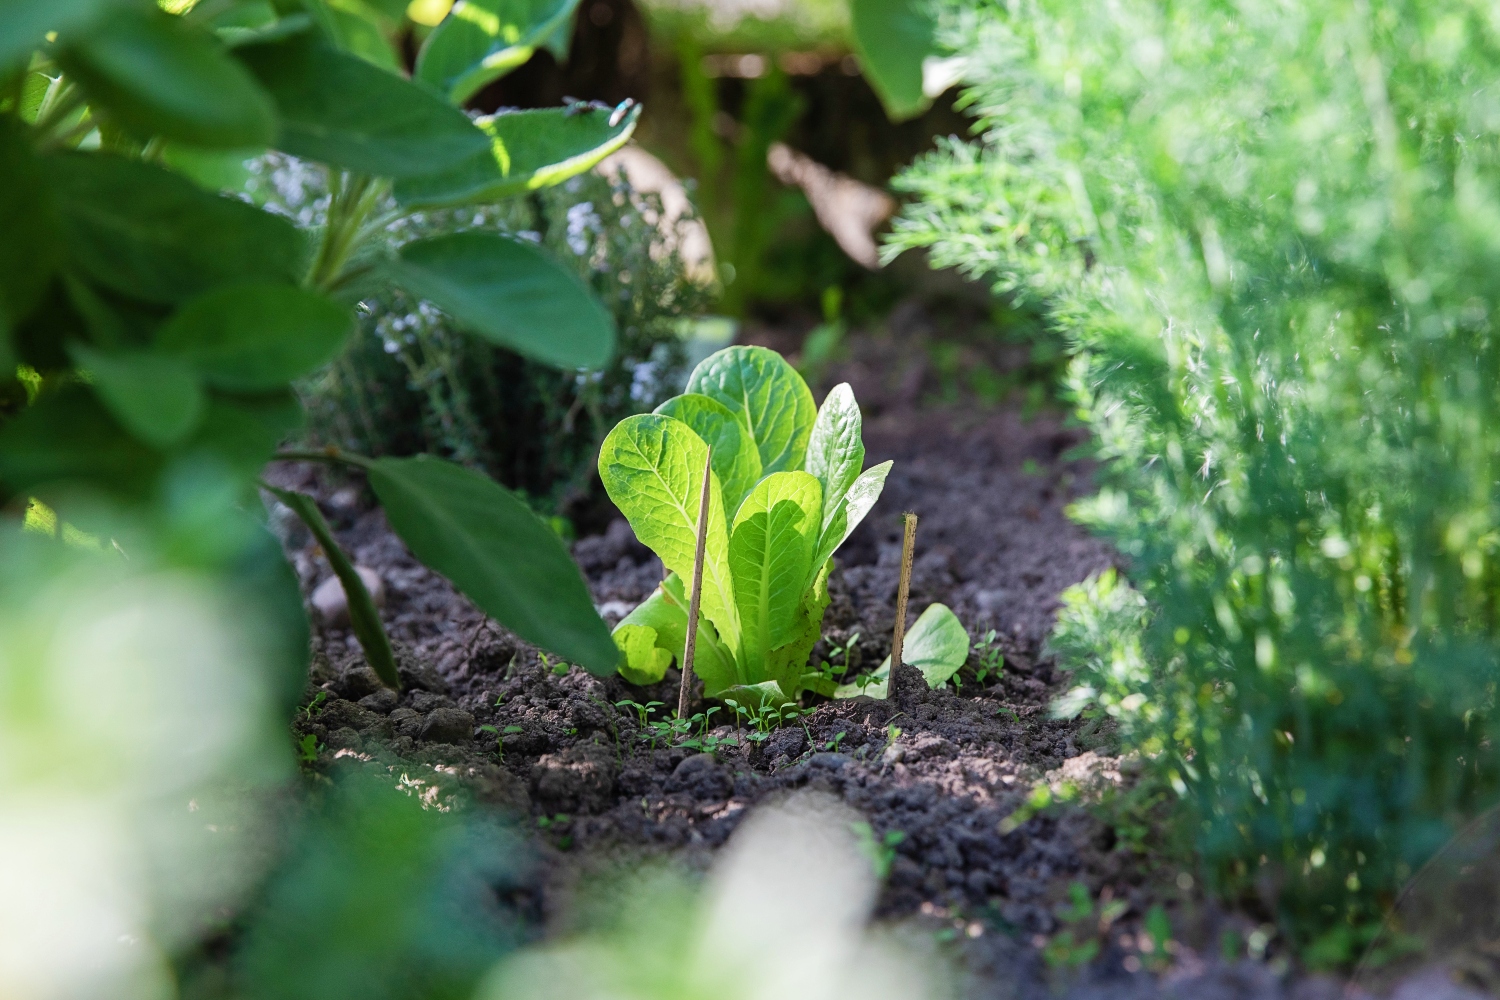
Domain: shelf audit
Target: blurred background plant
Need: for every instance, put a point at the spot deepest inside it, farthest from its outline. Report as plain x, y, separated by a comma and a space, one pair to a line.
1269, 233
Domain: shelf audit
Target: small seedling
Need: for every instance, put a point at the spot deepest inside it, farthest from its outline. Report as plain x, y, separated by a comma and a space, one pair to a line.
831, 671
642, 712
838, 738
892, 734
499, 742
307, 749
315, 707
880, 851
559, 669
991, 659
1086, 925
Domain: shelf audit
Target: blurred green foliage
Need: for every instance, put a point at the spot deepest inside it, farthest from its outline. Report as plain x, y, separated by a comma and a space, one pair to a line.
1270, 233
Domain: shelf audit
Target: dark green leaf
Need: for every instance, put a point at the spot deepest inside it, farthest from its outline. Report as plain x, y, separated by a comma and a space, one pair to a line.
24, 24
510, 293
29, 247
244, 431
893, 38
156, 397
364, 619
148, 233
353, 28
529, 150
340, 110
497, 552
482, 40
153, 74
248, 338
65, 437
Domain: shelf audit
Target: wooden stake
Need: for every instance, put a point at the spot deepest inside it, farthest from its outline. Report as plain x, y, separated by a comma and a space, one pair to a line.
908, 542
690, 648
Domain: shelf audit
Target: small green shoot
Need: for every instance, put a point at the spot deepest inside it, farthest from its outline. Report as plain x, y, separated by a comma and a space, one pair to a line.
881, 851
307, 749
315, 707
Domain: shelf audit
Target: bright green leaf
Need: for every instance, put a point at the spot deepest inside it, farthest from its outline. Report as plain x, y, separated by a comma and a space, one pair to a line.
151, 234
526, 150
156, 397
652, 468
510, 293
735, 459
338, 109
787, 663
364, 619
894, 38
836, 450
768, 397
482, 40
355, 29
851, 510
30, 250
155, 75
770, 549
936, 644
249, 338
497, 552
642, 660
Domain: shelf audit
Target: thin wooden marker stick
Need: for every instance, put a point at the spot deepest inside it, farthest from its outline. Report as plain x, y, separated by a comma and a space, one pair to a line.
908, 542
694, 595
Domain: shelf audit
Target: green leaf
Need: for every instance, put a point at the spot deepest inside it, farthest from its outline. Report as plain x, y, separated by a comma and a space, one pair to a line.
769, 552
787, 663
67, 436
644, 658
355, 29
936, 644
249, 338
151, 234
364, 619
735, 459
24, 24
244, 432
338, 109
851, 510
30, 250
497, 552
894, 38
768, 397
652, 468
526, 150
836, 449
153, 74
156, 397
713, 662
482, 40
510, 293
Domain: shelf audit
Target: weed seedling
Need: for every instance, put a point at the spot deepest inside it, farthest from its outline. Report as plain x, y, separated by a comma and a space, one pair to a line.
307, 749
499, 741
315, 706
991, 660
880, 851
833, 744
642, 712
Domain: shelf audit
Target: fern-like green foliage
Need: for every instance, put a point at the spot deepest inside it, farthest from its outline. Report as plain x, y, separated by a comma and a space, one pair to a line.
1271, 232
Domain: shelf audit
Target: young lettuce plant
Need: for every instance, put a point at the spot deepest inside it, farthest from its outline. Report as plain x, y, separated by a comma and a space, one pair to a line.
787, 487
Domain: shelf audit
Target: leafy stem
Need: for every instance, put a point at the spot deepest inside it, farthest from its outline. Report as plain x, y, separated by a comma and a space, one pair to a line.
353, 198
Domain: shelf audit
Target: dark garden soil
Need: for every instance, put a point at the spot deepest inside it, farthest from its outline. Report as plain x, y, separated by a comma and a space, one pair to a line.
946, 769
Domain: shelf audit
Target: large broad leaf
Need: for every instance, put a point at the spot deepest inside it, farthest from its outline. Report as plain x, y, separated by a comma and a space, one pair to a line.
67, 436
787, 663
655, 634
340, 110
936, 644
24, 24
482, 40
248, 338
851, 510
836, 450
768, 397
652, 468
526, 150
30, 249
770, 549
510, 293
155, 396
356, 29
364, 619
243, 432
155, 75
497, 552
150, 234
894, 38
735, 458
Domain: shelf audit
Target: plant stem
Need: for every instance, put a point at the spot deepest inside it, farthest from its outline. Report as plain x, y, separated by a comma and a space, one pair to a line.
691, 646
908, 543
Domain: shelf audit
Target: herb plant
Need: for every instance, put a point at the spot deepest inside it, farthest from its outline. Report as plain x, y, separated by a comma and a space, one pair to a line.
788, 485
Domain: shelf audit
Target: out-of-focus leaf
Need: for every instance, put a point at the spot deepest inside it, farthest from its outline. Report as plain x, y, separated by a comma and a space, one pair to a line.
244, 432
527, 150
482, 40
254, 337
150, 234
153, 74
893, 38
769, 398
497, 552
67, 436
24, 24
936, 644
338, 109
30, 250
354, 28
510, 293
156, 397
364, 619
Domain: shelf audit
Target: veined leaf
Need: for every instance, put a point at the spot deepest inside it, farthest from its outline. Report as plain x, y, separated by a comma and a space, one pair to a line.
787, 663
645, 654
155, 396
713, 662
158, 75
497, 552
735, 458
768, 397
482, 40
936, 644
151, 234
836, 449
256, 337
770, 550
851, 510
894, 38
338, 109
510, 293
652, 468
24, 25
526, 150
30, 250
364, 619
661, 621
